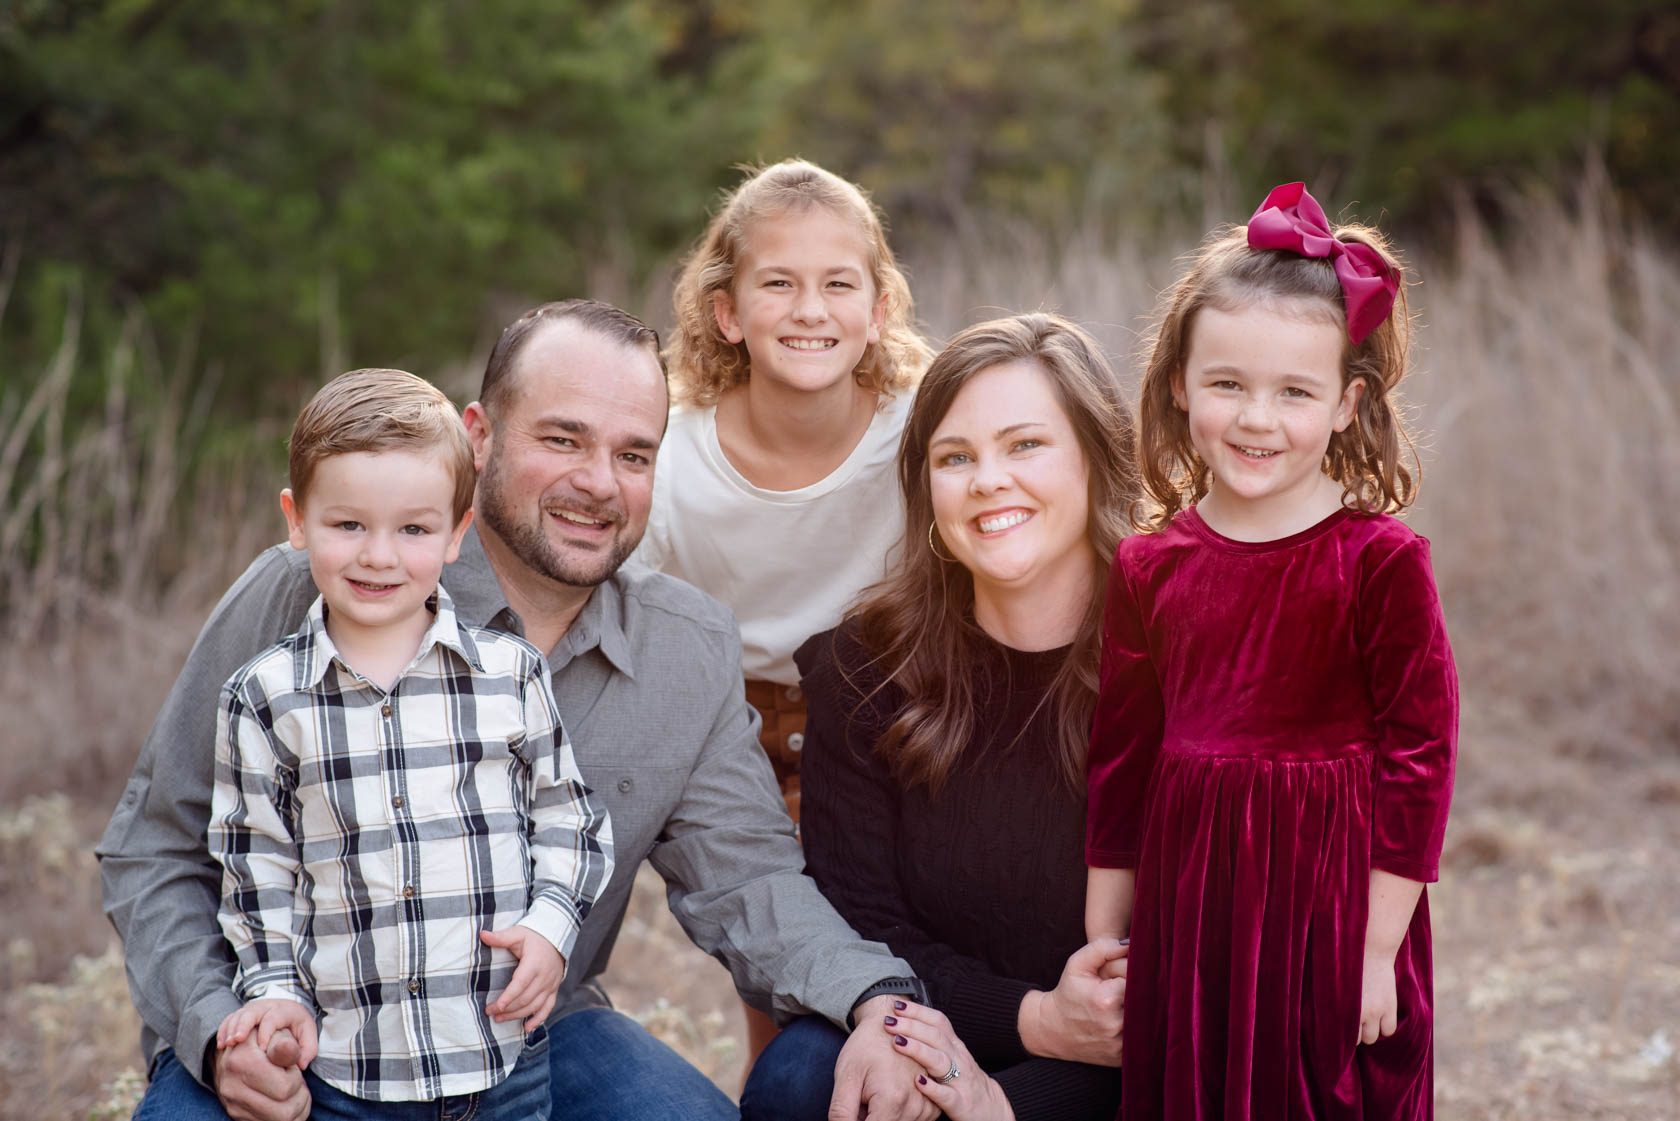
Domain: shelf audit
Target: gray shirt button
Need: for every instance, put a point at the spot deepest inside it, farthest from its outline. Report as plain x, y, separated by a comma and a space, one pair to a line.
624, 785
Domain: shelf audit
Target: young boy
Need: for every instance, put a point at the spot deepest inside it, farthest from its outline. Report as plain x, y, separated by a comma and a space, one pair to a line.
402, 828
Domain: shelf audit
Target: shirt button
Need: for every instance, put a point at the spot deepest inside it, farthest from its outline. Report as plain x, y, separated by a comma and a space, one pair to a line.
796, 741
624, 785
793, 693
384, 710
408, 891
413, 985
397, 802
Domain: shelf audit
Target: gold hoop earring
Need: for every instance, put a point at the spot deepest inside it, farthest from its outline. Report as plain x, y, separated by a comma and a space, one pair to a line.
935, 548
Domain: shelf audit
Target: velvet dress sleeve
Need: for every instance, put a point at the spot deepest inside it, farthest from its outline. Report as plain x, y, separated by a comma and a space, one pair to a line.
1414, 694
1125, 729
849, 810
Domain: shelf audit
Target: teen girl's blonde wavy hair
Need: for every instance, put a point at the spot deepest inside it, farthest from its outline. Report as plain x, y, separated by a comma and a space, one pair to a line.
703, 363
1373, 458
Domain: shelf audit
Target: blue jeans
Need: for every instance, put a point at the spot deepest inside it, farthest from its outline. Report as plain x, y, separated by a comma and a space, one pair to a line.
794, 1078
602, 1065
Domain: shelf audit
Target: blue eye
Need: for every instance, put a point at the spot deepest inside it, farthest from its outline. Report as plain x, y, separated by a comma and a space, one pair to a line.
347, 526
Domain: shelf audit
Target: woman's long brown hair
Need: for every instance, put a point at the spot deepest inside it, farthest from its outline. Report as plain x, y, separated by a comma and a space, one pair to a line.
919, 622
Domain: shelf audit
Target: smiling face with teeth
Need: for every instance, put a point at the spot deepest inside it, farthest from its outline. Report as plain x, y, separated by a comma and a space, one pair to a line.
566, 463
1262, 386
379, 528
804, 301
1011, 489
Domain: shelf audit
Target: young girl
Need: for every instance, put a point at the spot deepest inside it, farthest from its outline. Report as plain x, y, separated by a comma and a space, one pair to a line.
792, 363
1272, 752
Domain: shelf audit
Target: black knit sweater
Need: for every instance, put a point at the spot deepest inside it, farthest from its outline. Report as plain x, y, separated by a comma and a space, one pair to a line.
981, 888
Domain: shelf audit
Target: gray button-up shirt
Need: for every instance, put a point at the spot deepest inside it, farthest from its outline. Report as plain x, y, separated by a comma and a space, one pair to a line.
648, 679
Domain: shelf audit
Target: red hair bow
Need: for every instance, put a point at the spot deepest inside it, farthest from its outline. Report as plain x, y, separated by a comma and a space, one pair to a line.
1291, 219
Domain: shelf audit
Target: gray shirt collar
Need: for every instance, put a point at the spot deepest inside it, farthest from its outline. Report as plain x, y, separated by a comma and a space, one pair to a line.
479, 600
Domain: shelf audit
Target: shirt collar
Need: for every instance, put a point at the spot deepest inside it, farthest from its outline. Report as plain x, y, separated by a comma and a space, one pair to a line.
480, 601
317, 651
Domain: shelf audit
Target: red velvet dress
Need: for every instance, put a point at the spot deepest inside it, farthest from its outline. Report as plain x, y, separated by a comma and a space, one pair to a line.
1276, 719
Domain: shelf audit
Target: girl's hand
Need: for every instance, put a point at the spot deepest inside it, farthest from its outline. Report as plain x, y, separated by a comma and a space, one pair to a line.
926, 1036
1379, 1007
536, 979
1080, 1020
269, 1018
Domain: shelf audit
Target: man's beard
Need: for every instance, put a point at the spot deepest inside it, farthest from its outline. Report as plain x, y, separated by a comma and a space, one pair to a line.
533, 548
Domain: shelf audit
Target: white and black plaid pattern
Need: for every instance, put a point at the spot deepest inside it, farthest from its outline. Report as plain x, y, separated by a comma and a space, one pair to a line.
367, 837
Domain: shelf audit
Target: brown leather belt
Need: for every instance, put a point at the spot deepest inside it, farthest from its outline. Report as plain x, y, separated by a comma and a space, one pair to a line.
782, 734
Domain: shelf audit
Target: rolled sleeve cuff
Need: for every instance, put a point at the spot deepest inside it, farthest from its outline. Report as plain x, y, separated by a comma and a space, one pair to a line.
557, 923
277, 982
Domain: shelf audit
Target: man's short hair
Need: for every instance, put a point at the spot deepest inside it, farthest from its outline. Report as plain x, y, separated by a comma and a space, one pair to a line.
376, 411
595, 315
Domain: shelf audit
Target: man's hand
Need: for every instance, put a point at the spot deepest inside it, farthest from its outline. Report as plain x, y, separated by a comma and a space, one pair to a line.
530, 993
872, 1074
252, 1088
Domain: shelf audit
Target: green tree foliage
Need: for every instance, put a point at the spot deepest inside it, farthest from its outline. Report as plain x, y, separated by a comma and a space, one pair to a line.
300, 176
945, 107
1396, 105
289, 187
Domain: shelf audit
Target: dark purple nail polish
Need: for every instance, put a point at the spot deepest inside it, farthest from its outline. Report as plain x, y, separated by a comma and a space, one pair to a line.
900, 1005
891, 1020
901, 1041
921, 1080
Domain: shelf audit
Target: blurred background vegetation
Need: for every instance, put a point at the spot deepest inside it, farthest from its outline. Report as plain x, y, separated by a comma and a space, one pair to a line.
209, 206
287, 187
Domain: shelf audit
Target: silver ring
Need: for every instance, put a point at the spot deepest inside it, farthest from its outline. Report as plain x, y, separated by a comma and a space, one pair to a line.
951, 1075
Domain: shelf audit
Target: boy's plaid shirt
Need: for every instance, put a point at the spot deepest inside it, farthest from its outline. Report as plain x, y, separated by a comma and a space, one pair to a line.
367, 837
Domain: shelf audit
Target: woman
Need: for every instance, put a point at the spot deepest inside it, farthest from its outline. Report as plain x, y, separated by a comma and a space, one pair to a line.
945, 740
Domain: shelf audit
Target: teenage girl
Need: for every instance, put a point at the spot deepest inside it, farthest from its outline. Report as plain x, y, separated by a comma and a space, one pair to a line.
1272, 751
792, 365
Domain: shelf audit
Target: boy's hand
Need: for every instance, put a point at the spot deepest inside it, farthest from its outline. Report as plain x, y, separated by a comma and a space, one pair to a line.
268, 1017
530, 994
1379, 1007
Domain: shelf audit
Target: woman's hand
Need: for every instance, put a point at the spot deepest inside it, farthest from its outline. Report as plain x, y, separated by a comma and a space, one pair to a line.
969, 1094
1080, 1020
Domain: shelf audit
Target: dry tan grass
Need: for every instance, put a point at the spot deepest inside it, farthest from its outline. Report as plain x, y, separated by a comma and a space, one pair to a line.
1549, 391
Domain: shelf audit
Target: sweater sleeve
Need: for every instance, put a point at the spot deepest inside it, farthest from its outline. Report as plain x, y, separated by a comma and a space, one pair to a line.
1056, 1090
850, 806
1414, 694
1125, 729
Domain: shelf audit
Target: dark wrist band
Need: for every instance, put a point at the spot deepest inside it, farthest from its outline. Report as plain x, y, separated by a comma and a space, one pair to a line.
911, 987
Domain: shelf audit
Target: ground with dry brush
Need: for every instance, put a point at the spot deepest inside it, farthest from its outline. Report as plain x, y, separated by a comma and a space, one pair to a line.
1549, 389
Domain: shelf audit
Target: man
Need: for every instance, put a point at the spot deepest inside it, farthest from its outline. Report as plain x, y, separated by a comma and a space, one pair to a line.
647, 673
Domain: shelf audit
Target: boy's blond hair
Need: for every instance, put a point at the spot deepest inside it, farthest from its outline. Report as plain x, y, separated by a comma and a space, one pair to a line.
376, 411
703, 363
